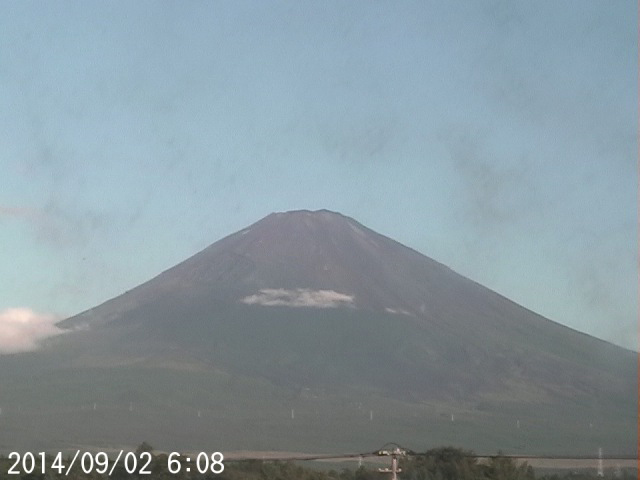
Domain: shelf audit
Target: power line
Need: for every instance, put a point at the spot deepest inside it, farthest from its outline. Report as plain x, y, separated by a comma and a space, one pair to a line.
411, 453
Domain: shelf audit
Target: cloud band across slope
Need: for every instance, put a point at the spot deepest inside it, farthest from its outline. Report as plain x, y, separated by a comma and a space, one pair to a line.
299, 297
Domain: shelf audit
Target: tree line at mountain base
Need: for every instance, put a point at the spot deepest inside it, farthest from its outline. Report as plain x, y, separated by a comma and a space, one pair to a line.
445, 463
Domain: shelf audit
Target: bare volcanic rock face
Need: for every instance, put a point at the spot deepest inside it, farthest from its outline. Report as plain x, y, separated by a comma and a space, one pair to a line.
316, 259
302, 258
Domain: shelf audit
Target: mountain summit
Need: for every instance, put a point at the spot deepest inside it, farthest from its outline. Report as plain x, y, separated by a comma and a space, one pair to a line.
318, 313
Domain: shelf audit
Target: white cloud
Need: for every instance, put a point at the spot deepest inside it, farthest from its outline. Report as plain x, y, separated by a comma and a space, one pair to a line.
300, 297
398, 311
21, 329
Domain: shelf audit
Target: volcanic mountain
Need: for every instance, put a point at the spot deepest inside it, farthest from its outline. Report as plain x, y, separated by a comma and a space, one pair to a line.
312, 312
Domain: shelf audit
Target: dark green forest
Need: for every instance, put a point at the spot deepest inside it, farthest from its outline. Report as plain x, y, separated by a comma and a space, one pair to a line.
445, 463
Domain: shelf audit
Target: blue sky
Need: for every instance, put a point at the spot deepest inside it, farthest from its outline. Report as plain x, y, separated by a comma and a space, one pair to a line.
499, 138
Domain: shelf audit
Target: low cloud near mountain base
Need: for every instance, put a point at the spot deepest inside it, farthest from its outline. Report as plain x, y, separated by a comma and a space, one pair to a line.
21, 329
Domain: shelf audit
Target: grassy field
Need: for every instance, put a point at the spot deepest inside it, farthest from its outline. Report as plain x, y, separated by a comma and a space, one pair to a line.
353, 381
204, 410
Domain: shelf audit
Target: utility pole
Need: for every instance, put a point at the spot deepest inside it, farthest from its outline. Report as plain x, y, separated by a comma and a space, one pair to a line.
600, 465
394, 454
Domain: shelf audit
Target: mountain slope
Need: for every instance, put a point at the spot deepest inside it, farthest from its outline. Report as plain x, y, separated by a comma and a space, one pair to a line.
330, 265
314, 311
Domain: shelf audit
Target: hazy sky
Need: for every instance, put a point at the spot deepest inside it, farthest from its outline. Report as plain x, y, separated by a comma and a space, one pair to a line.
499, 138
